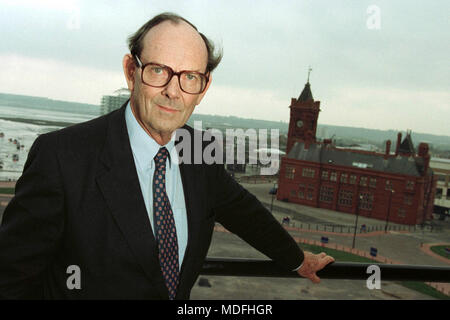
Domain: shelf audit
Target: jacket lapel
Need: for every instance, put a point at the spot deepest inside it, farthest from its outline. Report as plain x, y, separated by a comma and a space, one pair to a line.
192, 179
119, 184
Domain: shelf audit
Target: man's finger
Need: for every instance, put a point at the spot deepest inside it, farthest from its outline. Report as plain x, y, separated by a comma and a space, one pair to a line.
326, 260
314, 278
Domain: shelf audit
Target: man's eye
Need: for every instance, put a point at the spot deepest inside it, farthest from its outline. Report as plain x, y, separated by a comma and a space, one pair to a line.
191, 76
157, 70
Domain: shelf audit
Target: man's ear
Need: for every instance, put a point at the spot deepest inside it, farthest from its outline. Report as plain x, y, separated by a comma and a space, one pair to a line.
200, 96
129, 69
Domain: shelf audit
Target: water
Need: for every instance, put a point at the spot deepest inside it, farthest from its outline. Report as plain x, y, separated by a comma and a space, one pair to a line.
26, 133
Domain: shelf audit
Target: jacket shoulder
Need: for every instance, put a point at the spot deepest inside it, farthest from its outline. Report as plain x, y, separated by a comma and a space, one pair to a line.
86, 133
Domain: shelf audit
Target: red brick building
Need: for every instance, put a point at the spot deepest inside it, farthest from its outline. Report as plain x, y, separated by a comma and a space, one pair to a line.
397, 186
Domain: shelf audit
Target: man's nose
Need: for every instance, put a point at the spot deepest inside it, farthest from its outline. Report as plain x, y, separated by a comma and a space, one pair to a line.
172, 90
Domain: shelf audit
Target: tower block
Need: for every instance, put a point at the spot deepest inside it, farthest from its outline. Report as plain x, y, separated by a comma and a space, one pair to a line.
303, 118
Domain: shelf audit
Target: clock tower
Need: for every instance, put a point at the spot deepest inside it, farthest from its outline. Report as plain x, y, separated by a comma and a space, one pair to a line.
303, 118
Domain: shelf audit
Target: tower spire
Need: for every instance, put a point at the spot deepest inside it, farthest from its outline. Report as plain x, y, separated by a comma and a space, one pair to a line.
306, 94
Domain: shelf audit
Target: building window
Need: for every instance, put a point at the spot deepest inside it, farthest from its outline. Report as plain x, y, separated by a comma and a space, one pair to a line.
290, 172
373, 182
345, 198
344, 178
326, 194
310, 192
324, 175
333, 177
366, 201
309, 173
438, 194
401, 213
352, 179
409, 185
408, 199
301, 190
363, 182
388, 185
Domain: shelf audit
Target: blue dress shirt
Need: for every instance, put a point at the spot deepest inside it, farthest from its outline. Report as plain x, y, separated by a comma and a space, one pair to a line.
144, 150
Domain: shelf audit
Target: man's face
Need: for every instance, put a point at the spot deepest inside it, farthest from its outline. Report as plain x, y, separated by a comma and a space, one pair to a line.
162, 110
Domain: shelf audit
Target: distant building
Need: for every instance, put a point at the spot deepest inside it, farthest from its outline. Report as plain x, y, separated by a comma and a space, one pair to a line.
397, 187
441, 168
114, 102
322, 133
362, 147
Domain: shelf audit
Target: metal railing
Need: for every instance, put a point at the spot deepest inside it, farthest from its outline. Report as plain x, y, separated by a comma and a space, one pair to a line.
327, 227
336, 270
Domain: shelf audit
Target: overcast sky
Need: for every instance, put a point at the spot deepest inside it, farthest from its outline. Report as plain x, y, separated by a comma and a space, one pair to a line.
376, 64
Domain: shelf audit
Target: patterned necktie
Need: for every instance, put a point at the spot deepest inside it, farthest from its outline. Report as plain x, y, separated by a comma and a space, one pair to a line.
164, 225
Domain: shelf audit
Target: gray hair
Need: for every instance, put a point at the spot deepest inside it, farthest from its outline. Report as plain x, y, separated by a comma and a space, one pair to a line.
135, 40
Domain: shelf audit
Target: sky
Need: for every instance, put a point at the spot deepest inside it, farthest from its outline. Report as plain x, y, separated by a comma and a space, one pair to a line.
375, 64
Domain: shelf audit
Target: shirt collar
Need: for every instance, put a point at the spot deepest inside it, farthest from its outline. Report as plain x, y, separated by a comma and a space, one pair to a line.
144, 146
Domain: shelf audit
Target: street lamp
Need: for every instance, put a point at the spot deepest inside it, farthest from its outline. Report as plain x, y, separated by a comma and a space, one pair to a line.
273, 192
389, 210
356, 220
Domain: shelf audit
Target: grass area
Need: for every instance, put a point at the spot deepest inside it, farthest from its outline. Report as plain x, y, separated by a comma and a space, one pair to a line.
440, 250
349, 257
7, 190
425, 289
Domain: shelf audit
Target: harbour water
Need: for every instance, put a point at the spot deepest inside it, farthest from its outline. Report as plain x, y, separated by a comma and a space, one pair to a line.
20, 126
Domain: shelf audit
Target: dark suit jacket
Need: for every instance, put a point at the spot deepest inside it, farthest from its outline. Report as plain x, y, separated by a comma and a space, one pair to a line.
78, 202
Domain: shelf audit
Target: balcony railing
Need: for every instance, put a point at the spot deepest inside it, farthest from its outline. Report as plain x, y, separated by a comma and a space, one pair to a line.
336, 270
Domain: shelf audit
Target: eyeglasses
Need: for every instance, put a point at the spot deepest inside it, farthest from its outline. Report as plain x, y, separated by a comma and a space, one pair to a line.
159, 75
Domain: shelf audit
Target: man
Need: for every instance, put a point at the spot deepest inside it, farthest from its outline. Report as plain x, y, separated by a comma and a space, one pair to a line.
106, 198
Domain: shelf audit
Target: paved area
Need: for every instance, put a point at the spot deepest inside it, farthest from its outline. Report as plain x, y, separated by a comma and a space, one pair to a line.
7, 184
398, 246
4, 200
229, 245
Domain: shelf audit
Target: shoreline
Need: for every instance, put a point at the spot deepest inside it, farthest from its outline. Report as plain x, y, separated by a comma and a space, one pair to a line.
40, 122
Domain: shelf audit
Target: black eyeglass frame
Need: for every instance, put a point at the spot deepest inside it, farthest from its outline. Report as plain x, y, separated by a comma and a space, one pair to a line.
171, 74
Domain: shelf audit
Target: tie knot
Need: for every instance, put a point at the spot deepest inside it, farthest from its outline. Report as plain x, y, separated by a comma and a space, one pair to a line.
161, 156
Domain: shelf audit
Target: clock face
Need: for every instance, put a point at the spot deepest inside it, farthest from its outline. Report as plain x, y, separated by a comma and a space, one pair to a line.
299, 123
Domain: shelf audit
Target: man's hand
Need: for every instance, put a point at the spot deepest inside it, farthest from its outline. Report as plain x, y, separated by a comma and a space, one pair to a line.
313, 263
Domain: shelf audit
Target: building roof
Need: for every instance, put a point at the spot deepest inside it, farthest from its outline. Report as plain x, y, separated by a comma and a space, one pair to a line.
407, 145
306, 94
328, 154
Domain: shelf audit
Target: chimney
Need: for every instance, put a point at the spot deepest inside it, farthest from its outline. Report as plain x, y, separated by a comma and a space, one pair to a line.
426, 163
423, 153
399, 141
388, 149
423, 149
